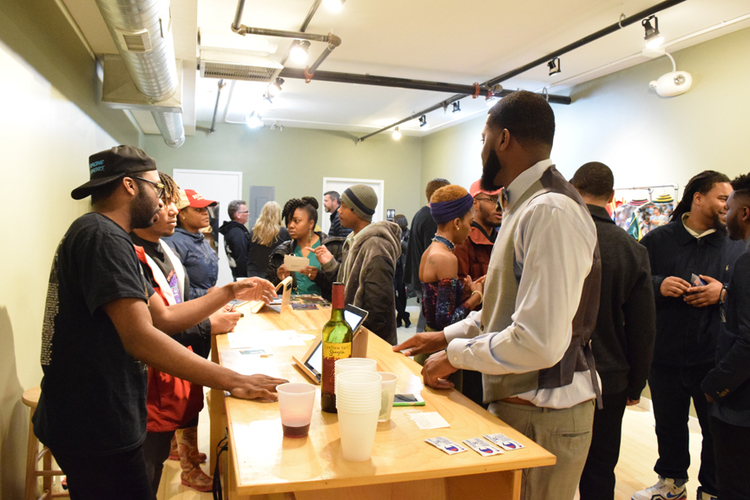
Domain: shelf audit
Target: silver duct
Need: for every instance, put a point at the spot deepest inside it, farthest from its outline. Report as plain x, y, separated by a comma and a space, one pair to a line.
142, 32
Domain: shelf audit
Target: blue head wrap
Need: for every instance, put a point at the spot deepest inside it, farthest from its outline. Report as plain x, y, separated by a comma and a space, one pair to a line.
444, 211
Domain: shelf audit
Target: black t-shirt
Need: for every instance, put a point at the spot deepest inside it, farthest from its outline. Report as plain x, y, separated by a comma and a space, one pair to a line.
93, 399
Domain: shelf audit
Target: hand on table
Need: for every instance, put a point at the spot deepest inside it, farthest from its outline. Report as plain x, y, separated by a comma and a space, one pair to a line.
223, 321
633, 402
323, 255
672, 286
704, 295
254, 289
436, 370
257, 387
423, 342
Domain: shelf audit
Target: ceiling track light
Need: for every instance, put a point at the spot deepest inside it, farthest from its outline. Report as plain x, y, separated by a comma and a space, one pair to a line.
554, 66
299, 51
423, 121
652, 36
397, 134
456, 107
274, 88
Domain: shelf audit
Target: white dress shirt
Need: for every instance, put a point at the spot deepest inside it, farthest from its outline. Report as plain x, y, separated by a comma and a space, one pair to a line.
554, 246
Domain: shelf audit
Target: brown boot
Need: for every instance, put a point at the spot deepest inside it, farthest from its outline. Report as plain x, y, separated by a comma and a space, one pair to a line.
192, 475
173, 453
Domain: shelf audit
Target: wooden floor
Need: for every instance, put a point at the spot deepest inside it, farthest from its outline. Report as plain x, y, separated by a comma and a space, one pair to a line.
634, 471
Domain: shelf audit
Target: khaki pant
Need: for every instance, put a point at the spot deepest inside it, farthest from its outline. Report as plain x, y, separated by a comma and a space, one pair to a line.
565, 433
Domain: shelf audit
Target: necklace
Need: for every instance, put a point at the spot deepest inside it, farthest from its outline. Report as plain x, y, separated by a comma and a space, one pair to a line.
445, 241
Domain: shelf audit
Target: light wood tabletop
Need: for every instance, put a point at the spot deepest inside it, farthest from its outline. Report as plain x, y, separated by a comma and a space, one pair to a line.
403, 465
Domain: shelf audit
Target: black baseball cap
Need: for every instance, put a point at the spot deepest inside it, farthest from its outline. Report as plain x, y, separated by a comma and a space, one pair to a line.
112, 164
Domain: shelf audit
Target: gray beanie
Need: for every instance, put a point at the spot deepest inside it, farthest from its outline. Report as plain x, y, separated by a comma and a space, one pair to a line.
362, 200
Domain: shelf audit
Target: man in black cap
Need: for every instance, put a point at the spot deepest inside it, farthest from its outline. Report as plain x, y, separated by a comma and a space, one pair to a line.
98, 337
368, 260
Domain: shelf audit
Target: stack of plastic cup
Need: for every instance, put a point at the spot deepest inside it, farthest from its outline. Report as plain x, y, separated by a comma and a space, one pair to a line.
358, 398
354, 364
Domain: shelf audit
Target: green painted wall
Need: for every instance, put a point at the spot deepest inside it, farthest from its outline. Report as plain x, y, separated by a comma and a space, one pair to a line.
295, 160
618, 120
46, 141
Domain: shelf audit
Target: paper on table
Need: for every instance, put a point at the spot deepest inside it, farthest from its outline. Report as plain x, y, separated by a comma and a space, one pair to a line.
293, 263
428, 420
273, 338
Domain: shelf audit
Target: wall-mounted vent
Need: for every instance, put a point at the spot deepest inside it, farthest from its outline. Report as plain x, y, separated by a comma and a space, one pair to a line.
235, 66
134, 41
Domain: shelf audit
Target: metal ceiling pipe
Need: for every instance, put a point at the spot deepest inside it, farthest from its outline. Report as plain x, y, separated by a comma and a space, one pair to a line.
297, 35
506, 76
141, 30
305, 24
221, 85
406, 83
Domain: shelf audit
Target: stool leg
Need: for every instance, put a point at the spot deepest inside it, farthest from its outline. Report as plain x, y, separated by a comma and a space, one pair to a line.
47, 480
31, 453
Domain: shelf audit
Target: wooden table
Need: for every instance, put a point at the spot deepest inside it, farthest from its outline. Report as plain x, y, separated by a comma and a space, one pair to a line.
264, 464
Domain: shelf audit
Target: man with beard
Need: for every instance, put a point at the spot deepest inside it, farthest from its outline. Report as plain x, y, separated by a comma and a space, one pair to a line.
97, 337
474, 258
531, 338
474, 254
726, 386
691, 261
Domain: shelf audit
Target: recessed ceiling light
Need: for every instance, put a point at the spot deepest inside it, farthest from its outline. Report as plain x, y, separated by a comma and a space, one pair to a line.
335, 5
254, 120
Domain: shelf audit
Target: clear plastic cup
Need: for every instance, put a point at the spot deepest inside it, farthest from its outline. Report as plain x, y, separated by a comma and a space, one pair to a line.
388, 392
357, 430
358, 391
295, 405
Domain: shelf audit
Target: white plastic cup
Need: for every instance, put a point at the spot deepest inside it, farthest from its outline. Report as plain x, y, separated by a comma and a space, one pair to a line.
388, 392
357, 432
352, 365
295, 405
358, 391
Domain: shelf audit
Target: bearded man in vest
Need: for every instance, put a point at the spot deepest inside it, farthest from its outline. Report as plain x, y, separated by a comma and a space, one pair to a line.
531, 338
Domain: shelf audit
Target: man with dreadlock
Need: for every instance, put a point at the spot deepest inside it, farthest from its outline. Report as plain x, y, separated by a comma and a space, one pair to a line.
691, 263
172, 403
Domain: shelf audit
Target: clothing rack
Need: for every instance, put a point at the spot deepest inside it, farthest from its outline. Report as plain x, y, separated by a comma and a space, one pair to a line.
650, 189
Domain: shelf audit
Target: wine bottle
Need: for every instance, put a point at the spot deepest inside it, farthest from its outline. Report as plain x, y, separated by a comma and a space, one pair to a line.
337, 344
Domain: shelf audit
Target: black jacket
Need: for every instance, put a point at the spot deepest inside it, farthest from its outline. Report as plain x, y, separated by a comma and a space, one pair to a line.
686, 335
729, 382
336, 228
258, 255
323, 280
423, 228
236, 239
623, 339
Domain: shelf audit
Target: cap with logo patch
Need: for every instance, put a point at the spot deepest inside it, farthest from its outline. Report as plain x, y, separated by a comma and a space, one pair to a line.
196, 200
112, 164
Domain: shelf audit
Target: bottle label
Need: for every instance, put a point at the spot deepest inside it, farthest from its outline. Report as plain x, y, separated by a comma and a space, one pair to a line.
331, 353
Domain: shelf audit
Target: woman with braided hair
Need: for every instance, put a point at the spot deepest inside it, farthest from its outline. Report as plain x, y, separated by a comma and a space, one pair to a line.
300, 217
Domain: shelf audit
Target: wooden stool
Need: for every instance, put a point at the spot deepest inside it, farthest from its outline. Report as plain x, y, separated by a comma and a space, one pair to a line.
34, 455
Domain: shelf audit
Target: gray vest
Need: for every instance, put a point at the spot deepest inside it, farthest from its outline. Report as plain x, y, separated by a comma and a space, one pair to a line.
501, 291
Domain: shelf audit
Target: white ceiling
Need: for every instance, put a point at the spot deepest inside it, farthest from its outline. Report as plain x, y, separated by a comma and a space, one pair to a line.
440, 40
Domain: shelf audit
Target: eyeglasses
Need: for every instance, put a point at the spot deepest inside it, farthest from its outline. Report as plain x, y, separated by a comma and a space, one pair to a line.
245, 212
158, 185
492, 199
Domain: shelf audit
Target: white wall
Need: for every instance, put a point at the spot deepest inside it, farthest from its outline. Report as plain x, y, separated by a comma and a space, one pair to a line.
45, 142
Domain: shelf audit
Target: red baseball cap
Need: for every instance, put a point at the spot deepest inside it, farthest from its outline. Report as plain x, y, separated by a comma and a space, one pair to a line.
196, 200
475, 189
